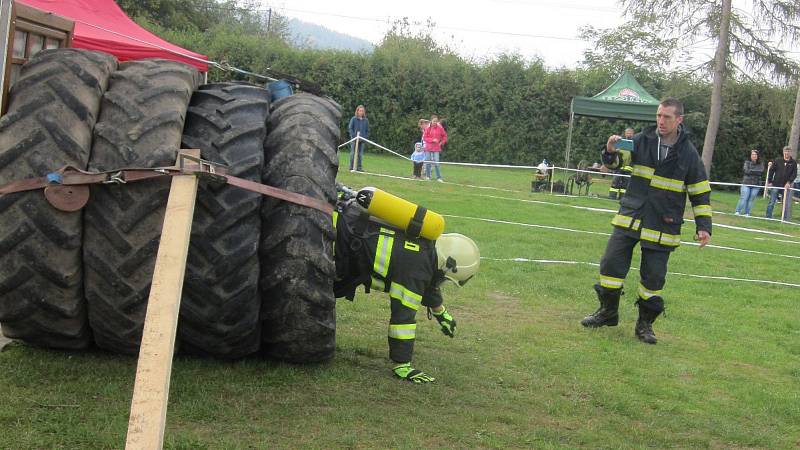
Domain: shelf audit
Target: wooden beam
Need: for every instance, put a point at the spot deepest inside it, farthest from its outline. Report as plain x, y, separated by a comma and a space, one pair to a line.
151, 390
6, 45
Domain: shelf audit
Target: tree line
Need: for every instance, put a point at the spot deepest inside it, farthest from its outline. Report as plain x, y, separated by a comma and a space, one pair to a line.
507, 110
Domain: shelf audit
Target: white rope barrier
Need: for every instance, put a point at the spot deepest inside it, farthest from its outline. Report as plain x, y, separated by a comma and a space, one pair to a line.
530, 225
710, 277
348, 142
523, 224
550, 168
778, 240
613, 211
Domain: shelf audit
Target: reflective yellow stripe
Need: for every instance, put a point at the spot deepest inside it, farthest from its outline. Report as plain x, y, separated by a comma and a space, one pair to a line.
699, 188
408, 245
647, 293
407, 298
625, 222
668, 184
670, 240
403, 331
378, 284
611, 282
383, 252
335, 218
627, 168
702, 210
643, 171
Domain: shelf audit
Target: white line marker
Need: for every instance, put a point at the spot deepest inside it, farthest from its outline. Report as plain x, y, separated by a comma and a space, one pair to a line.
710, 277
506, 222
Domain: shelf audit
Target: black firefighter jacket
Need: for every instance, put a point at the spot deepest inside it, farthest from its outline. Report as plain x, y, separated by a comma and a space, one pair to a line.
653, 205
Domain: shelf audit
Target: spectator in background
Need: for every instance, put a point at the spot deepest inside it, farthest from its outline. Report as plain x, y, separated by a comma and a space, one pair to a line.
433, 138
780, 176
620, 183
423, 124
418, 158
753, 168
358, 126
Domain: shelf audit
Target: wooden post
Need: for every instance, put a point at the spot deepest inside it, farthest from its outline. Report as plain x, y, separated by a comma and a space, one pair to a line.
151, 390
766, 180
357, 156
6, 41
787, 198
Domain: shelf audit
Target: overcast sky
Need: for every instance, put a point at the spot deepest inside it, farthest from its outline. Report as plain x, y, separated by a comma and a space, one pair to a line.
477, 29
544, 28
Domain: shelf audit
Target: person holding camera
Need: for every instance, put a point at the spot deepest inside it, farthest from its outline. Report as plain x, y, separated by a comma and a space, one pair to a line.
666, 168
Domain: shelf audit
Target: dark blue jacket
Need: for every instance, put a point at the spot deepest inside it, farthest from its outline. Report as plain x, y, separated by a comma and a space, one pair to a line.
357, 125
653, 205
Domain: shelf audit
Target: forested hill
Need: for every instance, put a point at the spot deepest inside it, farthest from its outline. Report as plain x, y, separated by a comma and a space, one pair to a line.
311, 35
506, 110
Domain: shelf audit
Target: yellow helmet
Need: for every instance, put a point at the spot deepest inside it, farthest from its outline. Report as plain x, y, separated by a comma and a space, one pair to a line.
458, 256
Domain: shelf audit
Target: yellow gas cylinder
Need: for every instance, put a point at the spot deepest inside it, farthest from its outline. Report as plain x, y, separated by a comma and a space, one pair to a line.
413, 219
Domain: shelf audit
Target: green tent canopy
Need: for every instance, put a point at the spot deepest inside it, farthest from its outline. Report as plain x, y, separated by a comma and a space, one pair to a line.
624, 99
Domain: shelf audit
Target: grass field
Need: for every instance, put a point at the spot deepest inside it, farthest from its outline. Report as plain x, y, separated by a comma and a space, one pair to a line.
521, 371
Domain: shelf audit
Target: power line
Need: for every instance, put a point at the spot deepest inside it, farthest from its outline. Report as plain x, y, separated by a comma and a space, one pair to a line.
443, 27
560, 5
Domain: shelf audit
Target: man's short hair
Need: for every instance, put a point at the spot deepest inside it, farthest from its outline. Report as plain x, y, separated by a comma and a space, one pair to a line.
787, 148
675, 103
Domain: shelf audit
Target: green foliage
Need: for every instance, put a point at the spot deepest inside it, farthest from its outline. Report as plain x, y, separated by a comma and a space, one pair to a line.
246, 17
628, 48
506, 110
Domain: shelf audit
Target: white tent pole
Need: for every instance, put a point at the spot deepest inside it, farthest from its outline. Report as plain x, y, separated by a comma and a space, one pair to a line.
569, 136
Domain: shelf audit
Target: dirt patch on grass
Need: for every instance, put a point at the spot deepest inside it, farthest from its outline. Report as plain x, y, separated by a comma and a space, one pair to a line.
502, 298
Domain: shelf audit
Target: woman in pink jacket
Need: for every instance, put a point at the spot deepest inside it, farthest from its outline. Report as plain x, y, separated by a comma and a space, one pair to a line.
433, 138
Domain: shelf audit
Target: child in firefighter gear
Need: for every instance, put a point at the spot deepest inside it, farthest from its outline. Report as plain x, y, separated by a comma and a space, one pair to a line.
666, 168
409, 269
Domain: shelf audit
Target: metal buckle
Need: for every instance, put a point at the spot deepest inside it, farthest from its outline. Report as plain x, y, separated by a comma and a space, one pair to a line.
209, 170
115, 178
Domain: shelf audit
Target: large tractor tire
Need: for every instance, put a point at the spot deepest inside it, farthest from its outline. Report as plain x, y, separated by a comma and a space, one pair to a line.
221, 302
141, 123
297, 267
52, 110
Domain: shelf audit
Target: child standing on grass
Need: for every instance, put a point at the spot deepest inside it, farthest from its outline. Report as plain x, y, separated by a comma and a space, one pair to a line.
418, 157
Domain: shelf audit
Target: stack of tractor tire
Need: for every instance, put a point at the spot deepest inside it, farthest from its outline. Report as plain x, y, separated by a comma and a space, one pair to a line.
259, 276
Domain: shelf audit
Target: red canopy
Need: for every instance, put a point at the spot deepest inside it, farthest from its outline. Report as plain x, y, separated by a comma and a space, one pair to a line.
102, 25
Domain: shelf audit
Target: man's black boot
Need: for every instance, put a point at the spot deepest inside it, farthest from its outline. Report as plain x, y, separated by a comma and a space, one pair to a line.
607, 314
649, 310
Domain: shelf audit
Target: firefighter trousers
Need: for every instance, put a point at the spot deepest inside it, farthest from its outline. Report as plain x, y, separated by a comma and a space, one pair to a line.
616, 262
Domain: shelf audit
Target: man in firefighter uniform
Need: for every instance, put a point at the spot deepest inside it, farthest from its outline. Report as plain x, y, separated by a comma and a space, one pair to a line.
666, 168
620, 183
410, 270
